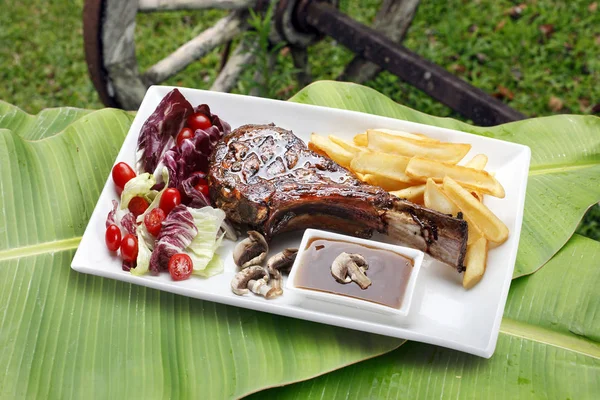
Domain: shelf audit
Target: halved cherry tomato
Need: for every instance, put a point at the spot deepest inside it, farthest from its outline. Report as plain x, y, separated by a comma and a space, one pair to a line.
113, 237
153, 220
185, 133
121, 174
198, 121
169, 200
180, 267
138, 205
129, 248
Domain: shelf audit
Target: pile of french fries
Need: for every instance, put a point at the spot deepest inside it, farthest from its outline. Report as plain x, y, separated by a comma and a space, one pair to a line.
425, 171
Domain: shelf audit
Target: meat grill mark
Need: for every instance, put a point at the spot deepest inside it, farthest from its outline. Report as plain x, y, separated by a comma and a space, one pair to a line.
266, 177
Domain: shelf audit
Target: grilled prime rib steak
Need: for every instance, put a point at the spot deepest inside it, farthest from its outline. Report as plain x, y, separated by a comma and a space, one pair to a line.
266, 177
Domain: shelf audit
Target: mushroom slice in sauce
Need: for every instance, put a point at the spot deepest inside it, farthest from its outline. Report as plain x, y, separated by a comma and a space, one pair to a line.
351, 267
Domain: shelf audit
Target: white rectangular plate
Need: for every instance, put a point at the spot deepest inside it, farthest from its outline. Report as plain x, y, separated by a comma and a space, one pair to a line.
442, 313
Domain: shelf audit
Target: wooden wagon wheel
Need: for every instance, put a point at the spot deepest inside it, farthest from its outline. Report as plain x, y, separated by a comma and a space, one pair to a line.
110, 47
110, 50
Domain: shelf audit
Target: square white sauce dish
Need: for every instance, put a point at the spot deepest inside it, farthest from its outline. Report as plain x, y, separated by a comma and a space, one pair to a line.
385, 284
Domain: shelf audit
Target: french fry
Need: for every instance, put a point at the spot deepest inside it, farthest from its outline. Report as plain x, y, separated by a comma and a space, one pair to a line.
478, 162
360, 140
382, 164
386, 184
415, 136
422, 135
337, 153
346, 145
408, 147
475, 261
412, 193
481, 181
475, 212
436, 199
474, 233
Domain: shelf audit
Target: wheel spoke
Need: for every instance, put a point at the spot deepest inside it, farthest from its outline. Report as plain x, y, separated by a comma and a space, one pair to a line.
225, 29
168, 5
230, 73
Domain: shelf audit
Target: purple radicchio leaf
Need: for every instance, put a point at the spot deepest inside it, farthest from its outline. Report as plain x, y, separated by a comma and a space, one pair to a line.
128, 223
177, 232
160, 129
111, 218
190, 195
128, 265
223, 127
193, 156
125, 220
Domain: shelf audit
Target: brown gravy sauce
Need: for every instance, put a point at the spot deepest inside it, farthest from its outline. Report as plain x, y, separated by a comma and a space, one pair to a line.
388, 270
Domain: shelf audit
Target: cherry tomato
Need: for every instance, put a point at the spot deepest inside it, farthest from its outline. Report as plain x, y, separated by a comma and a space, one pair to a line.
185, 133
138, 205
153, 220
113, 237
121, 174
202, 187
198, 121
169, 200
180, 267
129, 248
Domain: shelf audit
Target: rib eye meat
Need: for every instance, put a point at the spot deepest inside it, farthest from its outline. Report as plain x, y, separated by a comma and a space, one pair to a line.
266, 177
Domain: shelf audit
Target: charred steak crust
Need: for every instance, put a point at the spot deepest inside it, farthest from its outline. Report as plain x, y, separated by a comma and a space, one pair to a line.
266, 177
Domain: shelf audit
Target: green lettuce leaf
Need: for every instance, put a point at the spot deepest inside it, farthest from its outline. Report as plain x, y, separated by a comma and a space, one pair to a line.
139, 186
208, 220
145, 239
214, 267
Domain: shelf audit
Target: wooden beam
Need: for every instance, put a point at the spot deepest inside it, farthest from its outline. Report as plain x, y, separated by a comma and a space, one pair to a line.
224, 30
168, 5
229, 75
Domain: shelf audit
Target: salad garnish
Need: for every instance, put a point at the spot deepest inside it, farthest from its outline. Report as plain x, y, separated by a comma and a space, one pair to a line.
165, 221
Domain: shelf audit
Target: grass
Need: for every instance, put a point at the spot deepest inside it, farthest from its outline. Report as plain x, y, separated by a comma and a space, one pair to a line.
42, 61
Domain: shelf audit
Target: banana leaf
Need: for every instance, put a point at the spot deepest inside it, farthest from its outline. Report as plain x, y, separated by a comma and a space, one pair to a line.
549, 347
564, 176
70, 335
64, 334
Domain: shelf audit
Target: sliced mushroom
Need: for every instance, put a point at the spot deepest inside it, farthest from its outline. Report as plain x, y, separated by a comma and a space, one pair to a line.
280, 262
350, 267
250, 251
360, 261
241, 280
262, 288
255, 279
